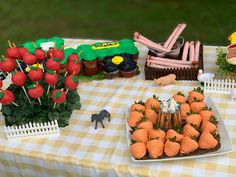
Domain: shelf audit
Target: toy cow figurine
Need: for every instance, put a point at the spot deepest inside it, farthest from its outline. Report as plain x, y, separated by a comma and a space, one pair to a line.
165, 80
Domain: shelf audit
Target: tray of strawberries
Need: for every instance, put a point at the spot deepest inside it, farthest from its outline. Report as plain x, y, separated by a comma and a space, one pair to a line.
182, 127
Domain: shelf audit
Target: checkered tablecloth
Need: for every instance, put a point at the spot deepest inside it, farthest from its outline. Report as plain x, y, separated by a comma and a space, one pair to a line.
80, 150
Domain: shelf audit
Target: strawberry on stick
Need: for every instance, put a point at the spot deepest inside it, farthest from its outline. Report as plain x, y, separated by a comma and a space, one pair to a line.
12, 51
7, 97
58, 96
20, 52
35, 73
35, 91
19, 79
71, 82
7, 64
51, 78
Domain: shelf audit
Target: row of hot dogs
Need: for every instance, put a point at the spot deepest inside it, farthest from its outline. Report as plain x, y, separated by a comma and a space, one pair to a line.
190, 54
190, 57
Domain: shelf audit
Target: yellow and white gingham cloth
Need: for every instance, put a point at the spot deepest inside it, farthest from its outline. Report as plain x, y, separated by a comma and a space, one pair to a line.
80, 150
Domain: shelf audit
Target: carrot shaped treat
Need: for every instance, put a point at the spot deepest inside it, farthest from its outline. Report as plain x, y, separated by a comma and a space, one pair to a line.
184, 109
151, 115
197, 106
188, 145
171, 133
152, 103
140, 135
207, 141
171, 148
138, 150
196, 95
137, 107
155, 148
206, 114
194, 119
179, 97
208, 126
156, 134
134, 118
190, 131
147, 124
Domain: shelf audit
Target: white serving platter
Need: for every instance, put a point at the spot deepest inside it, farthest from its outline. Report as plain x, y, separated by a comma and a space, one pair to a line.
226, 145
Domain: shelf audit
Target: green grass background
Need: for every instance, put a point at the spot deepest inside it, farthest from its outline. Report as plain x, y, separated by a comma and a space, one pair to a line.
208, 21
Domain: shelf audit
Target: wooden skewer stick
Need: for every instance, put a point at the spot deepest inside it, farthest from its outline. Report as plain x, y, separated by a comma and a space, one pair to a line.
9, 43
54, 105
39, 101
15, 104
66, 73
48, 88
19, 65
35, 46
23, 87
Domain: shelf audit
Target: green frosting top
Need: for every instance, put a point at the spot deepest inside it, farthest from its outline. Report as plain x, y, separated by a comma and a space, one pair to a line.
39, 41
103, 49
58, 41
126, 42
29, 46
87, 54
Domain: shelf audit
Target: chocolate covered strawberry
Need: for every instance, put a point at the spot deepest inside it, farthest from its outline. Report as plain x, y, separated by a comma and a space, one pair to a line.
71, 82
7, 65
71, 57
6, 97
35, 90
40, 55
35, 74
58, 53
12, 51
22, 51
73, 67
51, 77
58, 96
29, 59
53, 64
0, 83
18, 78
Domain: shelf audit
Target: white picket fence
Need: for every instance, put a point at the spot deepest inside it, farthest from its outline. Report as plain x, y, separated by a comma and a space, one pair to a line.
32, 129
219, 86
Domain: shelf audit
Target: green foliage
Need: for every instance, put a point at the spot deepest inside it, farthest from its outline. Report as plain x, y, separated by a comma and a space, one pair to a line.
33, 112
224, 66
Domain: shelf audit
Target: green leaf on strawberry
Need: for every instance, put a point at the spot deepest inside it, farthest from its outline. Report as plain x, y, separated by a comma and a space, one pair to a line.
1, 95
56, 59
50, 71
31, 86
57, 95
33, 67
75, 79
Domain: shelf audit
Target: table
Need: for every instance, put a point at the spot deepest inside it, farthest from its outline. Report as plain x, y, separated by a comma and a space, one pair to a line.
80, 150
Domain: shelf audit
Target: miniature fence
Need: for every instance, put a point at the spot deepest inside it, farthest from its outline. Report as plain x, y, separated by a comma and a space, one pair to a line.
219, 86
35, 129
